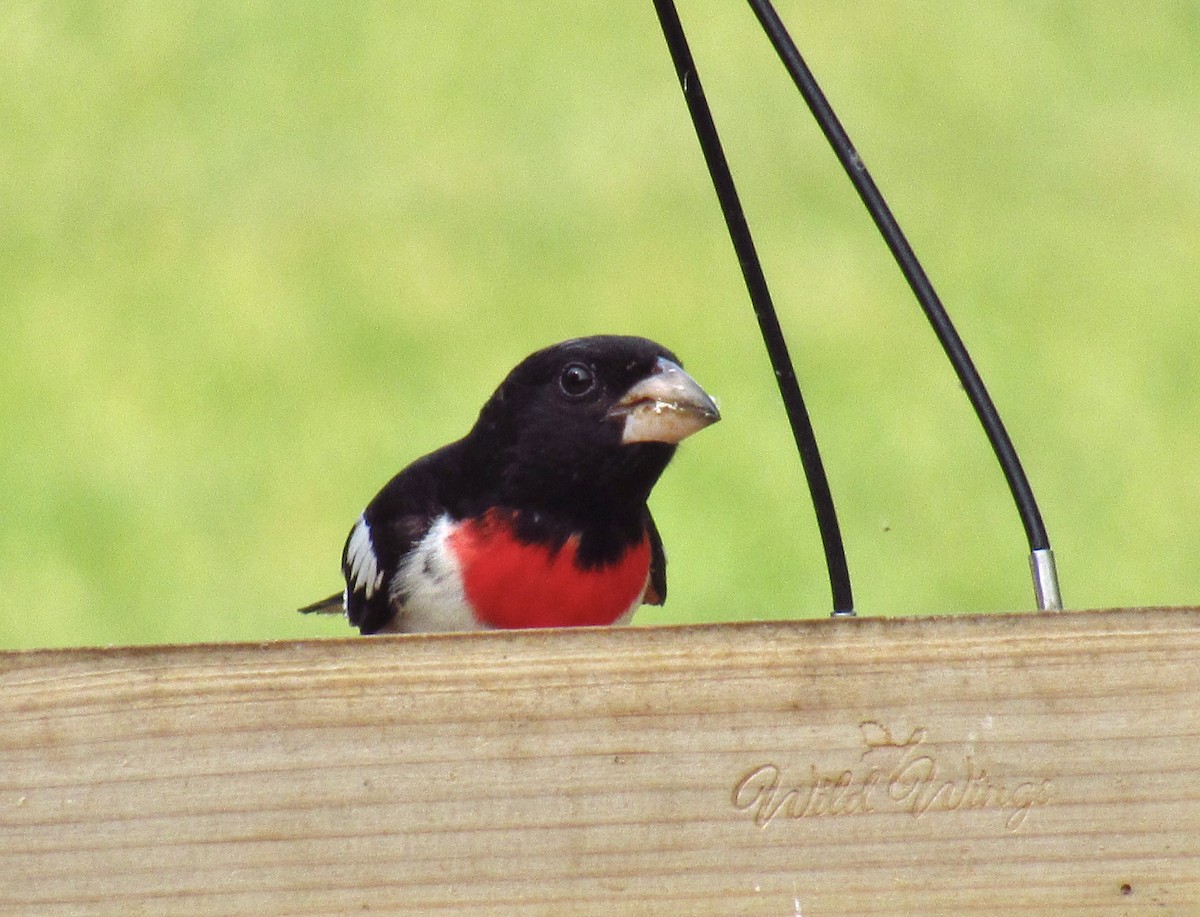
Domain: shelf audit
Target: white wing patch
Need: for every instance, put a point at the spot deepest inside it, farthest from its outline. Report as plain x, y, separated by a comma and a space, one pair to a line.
361, 561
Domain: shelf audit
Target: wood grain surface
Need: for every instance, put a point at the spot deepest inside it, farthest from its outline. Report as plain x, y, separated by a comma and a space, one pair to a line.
1016, 764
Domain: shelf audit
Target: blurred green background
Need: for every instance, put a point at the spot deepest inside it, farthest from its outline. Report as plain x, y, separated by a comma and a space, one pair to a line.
257, 256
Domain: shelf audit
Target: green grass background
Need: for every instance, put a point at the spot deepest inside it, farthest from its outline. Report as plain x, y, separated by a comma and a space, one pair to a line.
256, 256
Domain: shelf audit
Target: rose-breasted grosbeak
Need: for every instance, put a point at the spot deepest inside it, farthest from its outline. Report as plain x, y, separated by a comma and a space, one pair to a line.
538, 516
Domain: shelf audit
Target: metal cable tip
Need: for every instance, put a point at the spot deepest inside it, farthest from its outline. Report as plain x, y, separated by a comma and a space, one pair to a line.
1045, 580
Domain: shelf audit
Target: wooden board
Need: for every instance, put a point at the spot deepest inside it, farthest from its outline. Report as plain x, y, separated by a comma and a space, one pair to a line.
1024, 764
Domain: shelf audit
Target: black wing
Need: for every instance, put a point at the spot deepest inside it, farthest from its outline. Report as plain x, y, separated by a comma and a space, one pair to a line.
656, 589
388, 529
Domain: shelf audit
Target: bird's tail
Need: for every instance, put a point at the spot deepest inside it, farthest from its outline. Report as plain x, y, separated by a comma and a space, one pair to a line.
334, 605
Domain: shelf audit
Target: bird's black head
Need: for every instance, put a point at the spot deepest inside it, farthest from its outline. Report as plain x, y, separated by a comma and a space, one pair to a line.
588, 423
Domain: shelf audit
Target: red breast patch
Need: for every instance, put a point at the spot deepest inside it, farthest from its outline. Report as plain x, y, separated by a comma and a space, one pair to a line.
512, 584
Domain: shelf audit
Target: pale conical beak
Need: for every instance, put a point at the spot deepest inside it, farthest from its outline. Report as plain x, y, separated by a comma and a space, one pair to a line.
666, 407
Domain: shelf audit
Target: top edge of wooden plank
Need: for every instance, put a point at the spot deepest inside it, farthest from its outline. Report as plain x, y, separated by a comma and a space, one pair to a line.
965, 628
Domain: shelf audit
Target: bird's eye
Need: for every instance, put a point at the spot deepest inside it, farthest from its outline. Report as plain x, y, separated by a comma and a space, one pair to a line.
577, 380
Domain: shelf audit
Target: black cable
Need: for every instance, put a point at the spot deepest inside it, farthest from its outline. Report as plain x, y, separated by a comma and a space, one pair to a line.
764, 309
1018, 483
